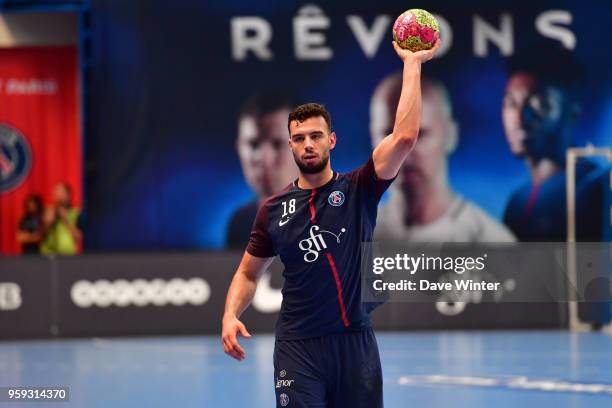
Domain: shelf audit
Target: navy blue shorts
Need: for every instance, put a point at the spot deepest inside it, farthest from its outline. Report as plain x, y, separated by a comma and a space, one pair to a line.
338, 370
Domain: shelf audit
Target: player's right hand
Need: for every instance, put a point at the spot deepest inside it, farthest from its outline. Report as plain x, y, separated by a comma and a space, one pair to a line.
231, 327
419, 56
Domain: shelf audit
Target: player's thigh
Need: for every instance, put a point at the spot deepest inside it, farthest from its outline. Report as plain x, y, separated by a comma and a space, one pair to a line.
297, 380
360, 382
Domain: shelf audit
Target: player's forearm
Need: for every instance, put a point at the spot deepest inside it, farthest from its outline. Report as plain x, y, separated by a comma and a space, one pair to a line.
408, 114
240, 294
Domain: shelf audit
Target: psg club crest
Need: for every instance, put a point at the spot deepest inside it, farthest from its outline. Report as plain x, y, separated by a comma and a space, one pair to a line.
15, 158
283, 399
336, 198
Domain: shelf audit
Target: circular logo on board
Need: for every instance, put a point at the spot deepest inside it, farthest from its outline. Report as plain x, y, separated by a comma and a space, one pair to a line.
15, 158
283, 399
336, 198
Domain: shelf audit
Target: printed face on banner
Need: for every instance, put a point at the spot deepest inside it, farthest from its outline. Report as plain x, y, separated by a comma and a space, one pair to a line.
264, 155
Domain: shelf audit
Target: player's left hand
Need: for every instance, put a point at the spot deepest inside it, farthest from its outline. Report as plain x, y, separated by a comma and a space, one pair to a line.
419, 56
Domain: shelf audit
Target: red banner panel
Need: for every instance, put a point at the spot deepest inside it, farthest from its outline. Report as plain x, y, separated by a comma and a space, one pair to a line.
40, 142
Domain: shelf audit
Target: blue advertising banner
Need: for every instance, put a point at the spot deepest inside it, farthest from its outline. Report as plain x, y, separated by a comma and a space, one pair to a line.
190, 101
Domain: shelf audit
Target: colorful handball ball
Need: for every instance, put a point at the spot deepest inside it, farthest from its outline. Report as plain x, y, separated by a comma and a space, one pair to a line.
416, 30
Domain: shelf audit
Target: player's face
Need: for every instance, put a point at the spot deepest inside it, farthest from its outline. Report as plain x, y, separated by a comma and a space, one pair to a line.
311, 142
518, 89
264, 155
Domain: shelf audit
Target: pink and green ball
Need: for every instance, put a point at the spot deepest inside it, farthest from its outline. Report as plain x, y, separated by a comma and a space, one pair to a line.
416, 30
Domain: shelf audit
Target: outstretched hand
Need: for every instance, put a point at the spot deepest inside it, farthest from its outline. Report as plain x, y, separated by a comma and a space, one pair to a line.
419, 56
231, 328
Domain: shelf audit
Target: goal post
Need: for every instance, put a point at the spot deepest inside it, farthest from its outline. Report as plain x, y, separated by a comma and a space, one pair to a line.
573, 155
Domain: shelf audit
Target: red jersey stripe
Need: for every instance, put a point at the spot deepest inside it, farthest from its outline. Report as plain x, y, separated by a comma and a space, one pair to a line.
338, 288
311, 205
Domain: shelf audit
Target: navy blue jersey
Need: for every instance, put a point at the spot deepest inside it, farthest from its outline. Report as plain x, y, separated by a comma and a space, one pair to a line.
318, 234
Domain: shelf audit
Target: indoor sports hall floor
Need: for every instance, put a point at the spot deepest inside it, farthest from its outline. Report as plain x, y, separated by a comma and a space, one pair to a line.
421, 369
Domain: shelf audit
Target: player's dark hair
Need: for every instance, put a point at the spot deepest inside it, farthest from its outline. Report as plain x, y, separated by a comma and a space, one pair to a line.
310, 110
262, 103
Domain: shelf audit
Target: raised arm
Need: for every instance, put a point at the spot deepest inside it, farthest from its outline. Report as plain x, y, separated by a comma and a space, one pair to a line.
239, 296
392, 151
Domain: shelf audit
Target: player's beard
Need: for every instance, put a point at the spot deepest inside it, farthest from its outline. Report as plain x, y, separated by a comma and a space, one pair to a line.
312, 168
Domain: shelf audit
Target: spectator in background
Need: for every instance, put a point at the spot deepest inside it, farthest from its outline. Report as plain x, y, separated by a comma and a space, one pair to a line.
265, 157
62, 236
422, 206
30, 229
539, 114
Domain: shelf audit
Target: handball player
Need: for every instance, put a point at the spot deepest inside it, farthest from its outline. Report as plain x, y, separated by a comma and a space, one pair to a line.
325, 352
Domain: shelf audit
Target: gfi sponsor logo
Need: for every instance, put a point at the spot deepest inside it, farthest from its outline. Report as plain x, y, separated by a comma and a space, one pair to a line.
10, 296
140, 292
316, 243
